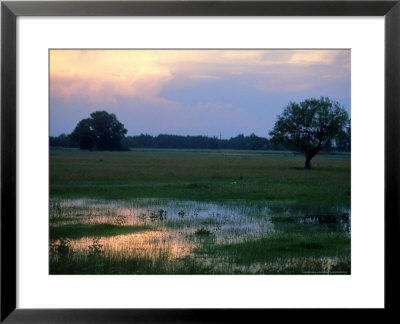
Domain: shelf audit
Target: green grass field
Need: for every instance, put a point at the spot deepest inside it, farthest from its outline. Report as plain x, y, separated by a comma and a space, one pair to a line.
198, 212
200, 175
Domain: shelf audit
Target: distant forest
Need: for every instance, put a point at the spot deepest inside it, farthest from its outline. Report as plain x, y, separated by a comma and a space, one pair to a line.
240, 142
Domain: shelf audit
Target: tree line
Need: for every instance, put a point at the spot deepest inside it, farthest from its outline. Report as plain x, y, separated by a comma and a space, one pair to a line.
309, 127
239, 142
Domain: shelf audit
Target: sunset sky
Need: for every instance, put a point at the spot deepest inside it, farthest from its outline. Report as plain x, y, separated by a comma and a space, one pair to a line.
191, 92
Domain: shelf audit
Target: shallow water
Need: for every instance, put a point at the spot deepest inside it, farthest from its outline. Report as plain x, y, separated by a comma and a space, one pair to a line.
179, 226
174, 229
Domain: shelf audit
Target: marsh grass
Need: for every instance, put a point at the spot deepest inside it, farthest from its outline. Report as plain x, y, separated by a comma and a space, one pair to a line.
158, 263
62, 249
161, 236
282, 246
202, 231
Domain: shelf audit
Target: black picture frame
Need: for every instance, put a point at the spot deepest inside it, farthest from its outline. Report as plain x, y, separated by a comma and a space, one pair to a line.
10, 10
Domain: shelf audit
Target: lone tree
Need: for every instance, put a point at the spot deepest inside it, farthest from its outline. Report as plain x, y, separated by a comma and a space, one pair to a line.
102, 131
310, 126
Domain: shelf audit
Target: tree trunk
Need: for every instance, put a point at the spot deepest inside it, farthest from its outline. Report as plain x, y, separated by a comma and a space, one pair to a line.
310, 155
307, 165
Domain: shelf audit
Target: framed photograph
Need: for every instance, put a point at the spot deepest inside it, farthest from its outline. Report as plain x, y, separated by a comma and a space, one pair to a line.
191, 161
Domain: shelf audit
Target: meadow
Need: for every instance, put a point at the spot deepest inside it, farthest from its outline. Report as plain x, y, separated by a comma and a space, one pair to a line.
166, 211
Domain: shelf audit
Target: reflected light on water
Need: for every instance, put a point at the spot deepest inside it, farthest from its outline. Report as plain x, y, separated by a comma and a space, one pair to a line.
144, 244
170, 229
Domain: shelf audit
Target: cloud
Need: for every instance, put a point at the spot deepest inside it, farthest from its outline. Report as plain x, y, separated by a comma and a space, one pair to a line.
101, 74
191, 90
204, 77
320, 57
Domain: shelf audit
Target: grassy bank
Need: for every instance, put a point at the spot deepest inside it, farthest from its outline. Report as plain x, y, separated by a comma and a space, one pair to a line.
284, 246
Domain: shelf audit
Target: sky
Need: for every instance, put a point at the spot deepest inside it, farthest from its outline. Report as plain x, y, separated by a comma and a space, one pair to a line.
192, 92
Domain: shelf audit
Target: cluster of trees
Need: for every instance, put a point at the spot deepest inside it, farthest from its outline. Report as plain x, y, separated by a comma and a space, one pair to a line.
309, 127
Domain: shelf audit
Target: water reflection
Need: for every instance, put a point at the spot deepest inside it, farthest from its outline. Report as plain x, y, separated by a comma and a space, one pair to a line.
334, 217
144, 244
176, 228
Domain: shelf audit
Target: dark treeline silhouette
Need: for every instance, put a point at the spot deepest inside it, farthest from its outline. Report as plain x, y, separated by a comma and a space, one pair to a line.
240, 142
102, 131
61, 141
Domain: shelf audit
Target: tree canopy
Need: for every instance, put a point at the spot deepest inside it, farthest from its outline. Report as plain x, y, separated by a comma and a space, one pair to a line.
102, 131
310, 126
